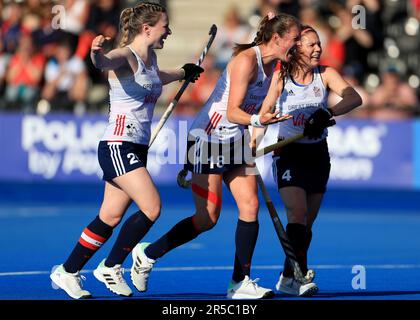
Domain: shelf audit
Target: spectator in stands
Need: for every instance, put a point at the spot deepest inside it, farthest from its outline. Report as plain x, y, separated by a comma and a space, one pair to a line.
415, 8
232, 31
334, 52
103, 19
66, 82
358, 39
77, 14
11, 26
393, 98
24, 75
32, 15
47, 35
4, 60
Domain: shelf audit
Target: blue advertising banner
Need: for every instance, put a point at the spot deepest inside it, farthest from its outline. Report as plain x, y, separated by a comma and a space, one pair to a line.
372, 154
60, 148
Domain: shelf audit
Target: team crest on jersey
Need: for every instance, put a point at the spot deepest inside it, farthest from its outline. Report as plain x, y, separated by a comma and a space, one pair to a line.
131, 129
259, 84
317, 91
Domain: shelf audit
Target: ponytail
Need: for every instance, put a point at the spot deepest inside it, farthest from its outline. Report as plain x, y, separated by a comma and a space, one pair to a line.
269, 25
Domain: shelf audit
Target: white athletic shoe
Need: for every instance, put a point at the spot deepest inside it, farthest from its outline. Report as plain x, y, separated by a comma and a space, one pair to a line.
113, 279
248, 289
293, 287
142, 266
71, 283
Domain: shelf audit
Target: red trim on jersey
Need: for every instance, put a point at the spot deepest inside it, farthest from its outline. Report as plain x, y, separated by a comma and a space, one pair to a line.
117, 122
122, 126
119, 126
214, 121
210, 121
206, 194
217, 121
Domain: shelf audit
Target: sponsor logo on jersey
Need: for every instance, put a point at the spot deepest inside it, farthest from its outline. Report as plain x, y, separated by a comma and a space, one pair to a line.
290, 93
299, 120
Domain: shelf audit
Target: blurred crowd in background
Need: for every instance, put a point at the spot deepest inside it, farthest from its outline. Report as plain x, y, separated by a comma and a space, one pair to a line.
46, 69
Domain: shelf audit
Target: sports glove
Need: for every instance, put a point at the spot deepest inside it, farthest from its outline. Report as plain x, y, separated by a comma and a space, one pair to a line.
192, 70
317, 122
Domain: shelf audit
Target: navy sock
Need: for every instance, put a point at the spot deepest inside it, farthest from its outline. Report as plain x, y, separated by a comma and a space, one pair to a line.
298, 238
132, 231
183, 232
245, 240
308, 240
92, 238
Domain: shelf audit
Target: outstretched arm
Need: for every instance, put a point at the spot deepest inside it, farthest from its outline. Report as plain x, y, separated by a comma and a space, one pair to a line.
188, 71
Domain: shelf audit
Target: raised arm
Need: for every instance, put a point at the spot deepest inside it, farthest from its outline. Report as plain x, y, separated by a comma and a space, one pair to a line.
110, 61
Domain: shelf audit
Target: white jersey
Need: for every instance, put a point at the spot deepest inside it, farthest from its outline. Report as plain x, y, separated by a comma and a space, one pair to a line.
132, 102
212, 124
301, 101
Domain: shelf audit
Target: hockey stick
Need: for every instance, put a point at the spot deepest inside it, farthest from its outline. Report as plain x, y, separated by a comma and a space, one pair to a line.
170, 108
285, 142
282, 235
277, 145
184, 183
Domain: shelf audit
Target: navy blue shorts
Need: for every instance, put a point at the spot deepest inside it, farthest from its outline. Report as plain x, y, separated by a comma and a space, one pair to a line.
303, 165
118, 158
216, 158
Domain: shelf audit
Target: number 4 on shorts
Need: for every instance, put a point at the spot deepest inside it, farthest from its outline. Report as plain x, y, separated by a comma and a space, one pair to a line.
286, 175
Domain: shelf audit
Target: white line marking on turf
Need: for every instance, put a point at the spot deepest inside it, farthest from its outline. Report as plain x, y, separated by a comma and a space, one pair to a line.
261, 267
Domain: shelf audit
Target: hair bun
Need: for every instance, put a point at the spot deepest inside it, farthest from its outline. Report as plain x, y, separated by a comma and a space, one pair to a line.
271, 15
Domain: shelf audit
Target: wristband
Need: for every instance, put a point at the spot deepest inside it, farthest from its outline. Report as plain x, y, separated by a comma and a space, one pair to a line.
255, 121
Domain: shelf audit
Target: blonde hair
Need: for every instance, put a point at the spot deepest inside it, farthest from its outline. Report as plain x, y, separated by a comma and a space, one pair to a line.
269, 25
131, 20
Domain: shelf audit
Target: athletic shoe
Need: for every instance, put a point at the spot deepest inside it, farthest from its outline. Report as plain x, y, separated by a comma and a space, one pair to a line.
113, 279
142, 266
248, 289
293, 287
71, 283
